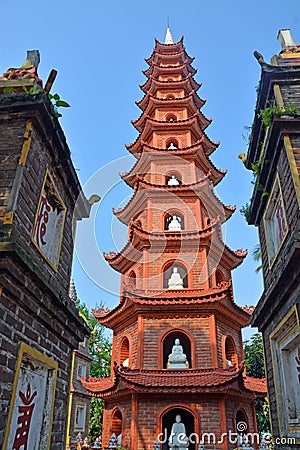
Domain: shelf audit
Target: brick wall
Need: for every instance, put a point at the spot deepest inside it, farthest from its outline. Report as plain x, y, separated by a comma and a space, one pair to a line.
155, 328
271, 274
149, 413
26, 318
34, 305
277, 316
226, 329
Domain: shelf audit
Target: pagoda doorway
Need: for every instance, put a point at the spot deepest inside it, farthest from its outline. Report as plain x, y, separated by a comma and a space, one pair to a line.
170, 417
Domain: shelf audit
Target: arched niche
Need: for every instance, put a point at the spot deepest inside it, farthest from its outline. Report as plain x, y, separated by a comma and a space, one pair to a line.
205, 216
124, 354
169, 218
219, 277
171, 117
172, 143
173, 178
187, 417
168, 341
132, 279
229, 352
170, 268
170, 97
116, 422
241, 421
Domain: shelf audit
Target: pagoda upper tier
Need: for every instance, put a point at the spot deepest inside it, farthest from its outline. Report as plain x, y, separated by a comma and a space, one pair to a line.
197, 381
171, 98
194, 154
173, 180
177, 343
145, 190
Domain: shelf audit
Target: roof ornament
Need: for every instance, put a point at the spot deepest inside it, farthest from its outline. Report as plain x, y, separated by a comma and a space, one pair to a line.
169, 38
285, 38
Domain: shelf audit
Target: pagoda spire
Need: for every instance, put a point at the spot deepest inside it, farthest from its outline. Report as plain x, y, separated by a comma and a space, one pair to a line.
169, 38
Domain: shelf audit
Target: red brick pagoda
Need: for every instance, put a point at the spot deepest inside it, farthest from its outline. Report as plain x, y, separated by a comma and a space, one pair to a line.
177, 346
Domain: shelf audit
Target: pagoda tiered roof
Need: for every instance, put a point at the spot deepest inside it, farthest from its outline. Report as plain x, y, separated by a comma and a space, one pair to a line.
159, 303
145, 190
166, 381
158, 54
169, 48
209, 146
140, 123
155, 70
140, 239
193, 152
191, 97
153, 84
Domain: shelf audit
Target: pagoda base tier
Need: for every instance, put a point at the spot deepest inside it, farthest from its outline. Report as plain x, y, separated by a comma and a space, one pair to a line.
147, 419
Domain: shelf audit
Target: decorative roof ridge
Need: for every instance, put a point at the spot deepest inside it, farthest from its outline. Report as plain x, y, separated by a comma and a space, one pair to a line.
152, 294
192, 95
151, 79
257, 385
103, 384
184, 296
151, 97
193, 149
182, 64
249, 309
171, 66
262, 380
193, 379
240, 254
169, 45
117, 211
229, 208
189, 147
166, 234
167, 297
179, 186
176, 54
204, 136
93, 379
195, 115
187, 372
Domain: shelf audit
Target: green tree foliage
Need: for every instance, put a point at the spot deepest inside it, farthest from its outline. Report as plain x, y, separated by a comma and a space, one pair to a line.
254, 361
100, 349
257, 257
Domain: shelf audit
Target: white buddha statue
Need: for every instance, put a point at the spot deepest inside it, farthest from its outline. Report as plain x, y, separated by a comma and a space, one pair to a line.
119, 440
173, 181
178, 438
125, 363
172, 146
175, 281
177, 359
174, 225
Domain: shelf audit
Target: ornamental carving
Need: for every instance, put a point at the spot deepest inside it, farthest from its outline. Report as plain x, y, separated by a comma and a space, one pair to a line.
49, 222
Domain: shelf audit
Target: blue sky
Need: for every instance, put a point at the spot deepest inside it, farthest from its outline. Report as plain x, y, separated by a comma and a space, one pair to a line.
98, 49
